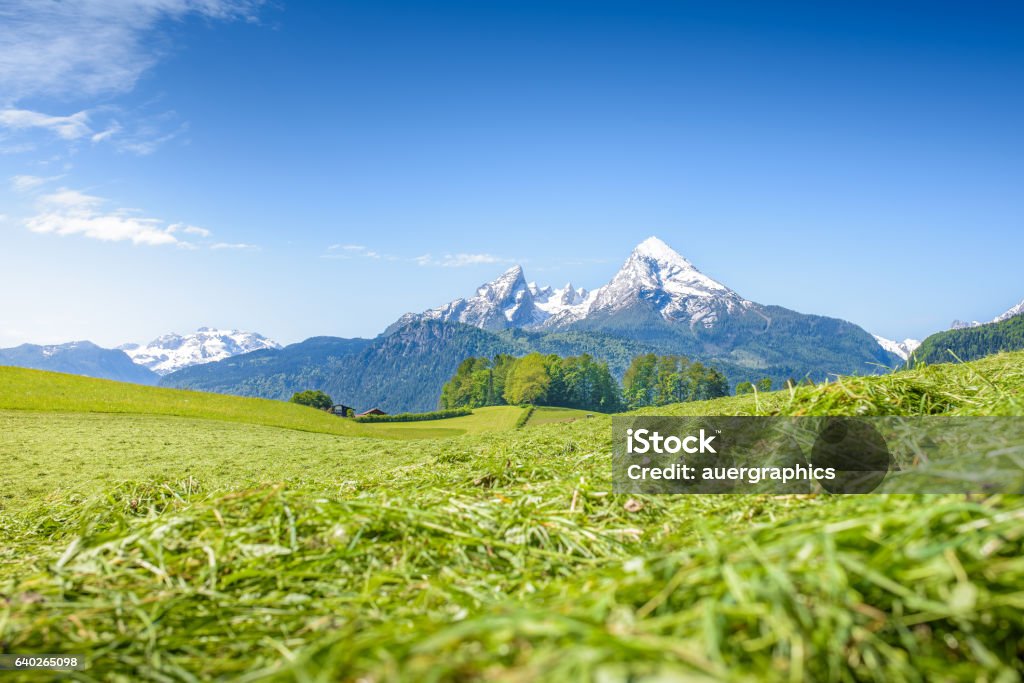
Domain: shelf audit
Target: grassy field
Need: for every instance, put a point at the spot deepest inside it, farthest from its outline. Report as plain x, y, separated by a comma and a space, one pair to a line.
174, 549
22, 389
493, 419
543, 415
34, 390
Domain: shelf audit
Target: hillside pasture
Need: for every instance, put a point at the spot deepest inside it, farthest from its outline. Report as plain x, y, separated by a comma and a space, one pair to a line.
491, 419
543, 415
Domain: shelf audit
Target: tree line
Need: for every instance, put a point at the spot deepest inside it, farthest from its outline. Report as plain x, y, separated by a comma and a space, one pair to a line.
580, 382
653, 380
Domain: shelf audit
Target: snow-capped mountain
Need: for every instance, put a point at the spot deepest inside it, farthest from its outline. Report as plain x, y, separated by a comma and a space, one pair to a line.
902, 349
1010, 313
173, 352
657, 275
1014, 311
657, 302
505, 302
654, 275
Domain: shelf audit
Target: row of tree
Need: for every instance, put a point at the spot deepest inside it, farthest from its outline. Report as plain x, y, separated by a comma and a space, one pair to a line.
653, 380
580, 382
538, 379
763, 384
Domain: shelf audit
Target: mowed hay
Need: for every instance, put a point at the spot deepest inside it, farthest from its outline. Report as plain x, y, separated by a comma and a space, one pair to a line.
465, 586
503, 557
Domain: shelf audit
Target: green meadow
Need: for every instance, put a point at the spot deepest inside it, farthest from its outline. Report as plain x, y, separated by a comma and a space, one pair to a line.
543, 415
179, 536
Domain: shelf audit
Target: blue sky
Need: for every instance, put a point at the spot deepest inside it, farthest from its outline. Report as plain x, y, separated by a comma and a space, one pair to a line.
168, 164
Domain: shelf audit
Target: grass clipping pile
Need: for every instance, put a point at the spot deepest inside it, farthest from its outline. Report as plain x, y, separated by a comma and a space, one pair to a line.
504, 559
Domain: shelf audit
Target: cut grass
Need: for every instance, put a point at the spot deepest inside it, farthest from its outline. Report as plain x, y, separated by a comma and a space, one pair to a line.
491, 419
500, 556
543, 415
59, 456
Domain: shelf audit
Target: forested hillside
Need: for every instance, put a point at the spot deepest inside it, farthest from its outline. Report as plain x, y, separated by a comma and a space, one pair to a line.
971, 343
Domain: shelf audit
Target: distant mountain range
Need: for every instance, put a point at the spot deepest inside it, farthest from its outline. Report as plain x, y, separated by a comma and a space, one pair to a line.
172, 352
1012, 312
79, 358
965, 340
657, 302
135, 362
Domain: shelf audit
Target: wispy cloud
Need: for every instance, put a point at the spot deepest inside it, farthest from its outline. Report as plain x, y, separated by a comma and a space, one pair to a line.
241, 246
148, 135
71, 127
24, 183
84, 49
460, 260
347, 251
143, 133
112, 129
71, 212
189, 230
91, 47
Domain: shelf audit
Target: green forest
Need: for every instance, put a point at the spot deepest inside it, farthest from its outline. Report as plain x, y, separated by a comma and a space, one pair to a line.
971, 343
580, 382
653, 380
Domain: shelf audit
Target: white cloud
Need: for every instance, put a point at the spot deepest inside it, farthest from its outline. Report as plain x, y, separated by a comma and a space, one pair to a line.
70, 127
350, 250
112, 129
143, 135
148, 139
70, 212
86, 48
189, 230
460, 260
237, 245
24, 183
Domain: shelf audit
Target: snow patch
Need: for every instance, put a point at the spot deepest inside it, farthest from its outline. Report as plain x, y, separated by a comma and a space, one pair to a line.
902, 349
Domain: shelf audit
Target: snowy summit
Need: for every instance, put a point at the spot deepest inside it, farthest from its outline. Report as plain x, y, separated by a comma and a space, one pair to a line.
654, 274
172, 352
902, 349
1012, 312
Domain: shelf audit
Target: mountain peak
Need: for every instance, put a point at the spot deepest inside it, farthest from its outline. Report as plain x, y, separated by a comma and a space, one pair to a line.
505, 286
174, 351
654, 248
653, 275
